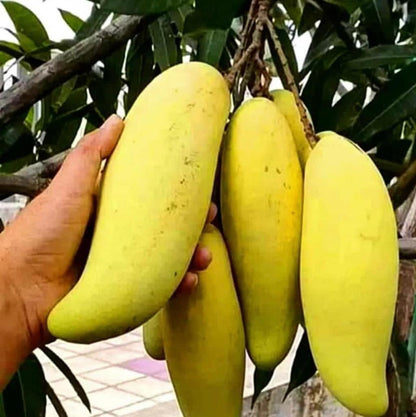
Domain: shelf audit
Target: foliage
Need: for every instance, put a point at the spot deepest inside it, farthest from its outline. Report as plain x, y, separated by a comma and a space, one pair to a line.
358, 78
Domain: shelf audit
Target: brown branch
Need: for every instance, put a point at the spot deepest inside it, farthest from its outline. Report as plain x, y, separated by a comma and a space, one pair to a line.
33, 179
75, 60
290, 82
401, 189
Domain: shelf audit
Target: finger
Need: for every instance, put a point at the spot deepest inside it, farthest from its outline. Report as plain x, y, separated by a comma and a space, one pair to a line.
79, 172
212, 213
188, 284
201, 259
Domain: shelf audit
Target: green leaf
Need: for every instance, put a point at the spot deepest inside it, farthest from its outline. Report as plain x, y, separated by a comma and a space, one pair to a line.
9, 50
377, 14
60, 410
303, 366
311, 14
25, 394
345, 112
93, 23
261, 379
141, 7
349, 5
61, 94
381, 55
105, 91
165, 46
294, 9
28, 26
211, 46
74, 22
139, 66
179, 15
16, 141
64, 368
2, 408
393, 103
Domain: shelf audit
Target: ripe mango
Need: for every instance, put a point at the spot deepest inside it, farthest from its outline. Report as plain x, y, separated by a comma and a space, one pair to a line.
154, 198
285, 102
349, 273
204, 340
261, 206
153, 338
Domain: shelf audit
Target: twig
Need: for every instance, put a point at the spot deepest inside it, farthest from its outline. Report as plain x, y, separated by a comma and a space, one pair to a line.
75, 60
33, 179
404, 185
290, 82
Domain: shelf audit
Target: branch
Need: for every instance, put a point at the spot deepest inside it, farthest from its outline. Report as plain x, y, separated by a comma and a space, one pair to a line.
401, 189
290, 82
407, 247
75, 60
33, 179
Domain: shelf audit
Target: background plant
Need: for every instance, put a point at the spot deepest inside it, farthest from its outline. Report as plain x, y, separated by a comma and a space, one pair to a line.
358, 78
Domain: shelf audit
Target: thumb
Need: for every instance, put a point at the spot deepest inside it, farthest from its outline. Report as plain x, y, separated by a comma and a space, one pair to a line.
80, 169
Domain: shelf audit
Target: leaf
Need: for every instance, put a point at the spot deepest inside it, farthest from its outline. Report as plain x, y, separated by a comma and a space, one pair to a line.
16, 141
311, 14
294, 9
141, 7
139, 66
74, 22
64, 368
165, 46
60, 410
179, 15
9, 50
105, 91
345, 112
93, 23
377, 14
381, 55
211, 46
61, 94
303, 366
349, 5
393, 103
27, 25
25, 394
261, 379
2, 409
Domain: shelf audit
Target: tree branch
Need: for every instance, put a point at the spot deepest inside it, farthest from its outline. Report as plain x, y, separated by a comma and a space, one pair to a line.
75, 60
33, 179
401, 189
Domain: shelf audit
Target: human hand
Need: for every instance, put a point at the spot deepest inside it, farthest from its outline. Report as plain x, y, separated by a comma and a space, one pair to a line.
45, 248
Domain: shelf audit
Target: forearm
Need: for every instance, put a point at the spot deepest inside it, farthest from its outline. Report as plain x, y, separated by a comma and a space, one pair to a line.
15, 341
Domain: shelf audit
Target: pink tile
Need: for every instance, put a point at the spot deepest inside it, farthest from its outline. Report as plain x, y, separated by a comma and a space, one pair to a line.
163, 376
145, 366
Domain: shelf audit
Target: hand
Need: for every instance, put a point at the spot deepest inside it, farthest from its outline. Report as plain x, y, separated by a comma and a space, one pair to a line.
45, 248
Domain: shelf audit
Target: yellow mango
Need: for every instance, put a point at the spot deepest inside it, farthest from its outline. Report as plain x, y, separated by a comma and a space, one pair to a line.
261, 207
154, 199
349, 272
285, 102
153, 338
204, 340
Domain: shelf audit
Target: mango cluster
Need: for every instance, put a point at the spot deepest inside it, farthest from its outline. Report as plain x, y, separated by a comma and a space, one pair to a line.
308, 238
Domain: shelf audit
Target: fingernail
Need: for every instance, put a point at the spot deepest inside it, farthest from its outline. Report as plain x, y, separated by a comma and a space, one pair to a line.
110, 122
195, 279
206, 254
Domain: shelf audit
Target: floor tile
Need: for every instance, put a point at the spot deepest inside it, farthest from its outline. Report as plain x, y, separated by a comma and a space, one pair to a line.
81, 349
52, 373
137, 347
125, 411
163, 376
125, 339
75, 408
146, 366
169, 396
113, 375
113, 355
147, 387
110, 399
82, 364
64, 387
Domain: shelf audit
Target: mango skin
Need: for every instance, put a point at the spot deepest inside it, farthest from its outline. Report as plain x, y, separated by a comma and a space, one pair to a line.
153, 337
204, 340
261, 207
154, 199
285, 102
349, 273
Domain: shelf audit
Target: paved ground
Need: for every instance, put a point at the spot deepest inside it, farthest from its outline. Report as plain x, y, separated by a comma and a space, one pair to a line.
121, 380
